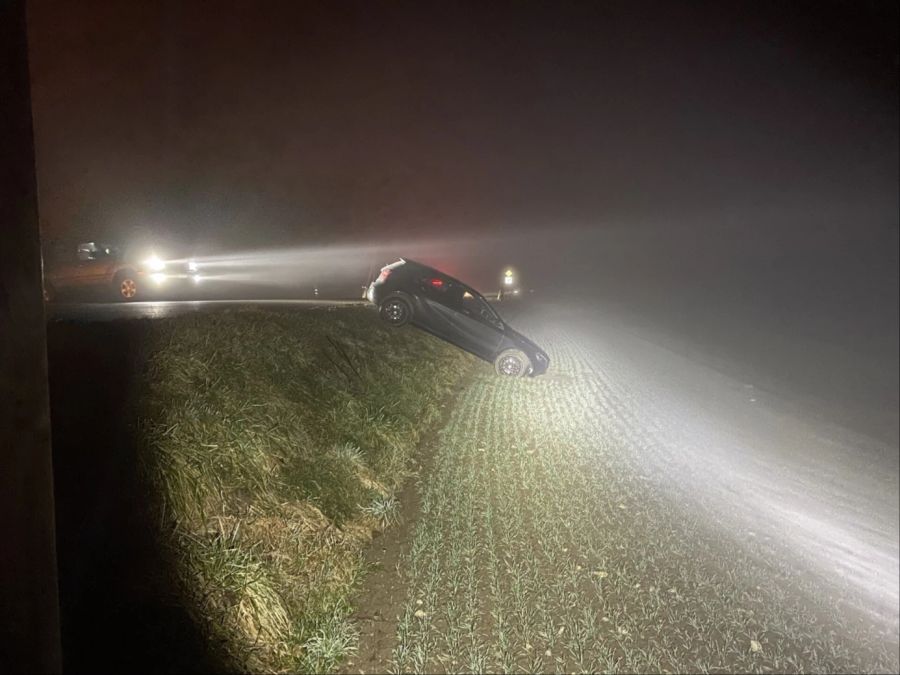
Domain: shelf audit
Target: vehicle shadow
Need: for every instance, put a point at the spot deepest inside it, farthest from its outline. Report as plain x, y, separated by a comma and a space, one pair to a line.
119, 609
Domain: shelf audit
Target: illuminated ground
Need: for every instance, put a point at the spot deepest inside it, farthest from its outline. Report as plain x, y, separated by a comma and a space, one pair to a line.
637, 511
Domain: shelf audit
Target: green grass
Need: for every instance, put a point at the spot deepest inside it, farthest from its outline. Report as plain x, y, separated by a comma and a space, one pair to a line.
541, 548
275, 443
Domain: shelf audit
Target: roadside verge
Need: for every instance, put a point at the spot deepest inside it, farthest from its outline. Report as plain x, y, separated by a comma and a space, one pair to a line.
276, 444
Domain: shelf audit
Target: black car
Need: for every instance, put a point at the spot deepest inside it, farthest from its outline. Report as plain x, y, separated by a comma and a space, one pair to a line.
410, 292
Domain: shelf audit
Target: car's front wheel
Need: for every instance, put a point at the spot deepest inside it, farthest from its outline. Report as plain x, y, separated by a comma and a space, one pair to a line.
125, 286
396, 311
512, 363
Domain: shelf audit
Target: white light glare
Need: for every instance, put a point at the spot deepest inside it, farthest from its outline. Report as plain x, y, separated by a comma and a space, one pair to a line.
155, 264
158, 277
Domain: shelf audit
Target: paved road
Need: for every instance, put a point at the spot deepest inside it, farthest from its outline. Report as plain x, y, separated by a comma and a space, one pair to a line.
107, 311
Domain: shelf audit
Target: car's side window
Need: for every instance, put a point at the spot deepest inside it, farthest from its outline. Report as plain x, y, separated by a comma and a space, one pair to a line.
453, 297
435, 287
442, 291
478, 308
461, 299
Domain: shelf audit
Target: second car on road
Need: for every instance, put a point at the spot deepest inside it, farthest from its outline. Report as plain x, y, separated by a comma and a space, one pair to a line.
104, 270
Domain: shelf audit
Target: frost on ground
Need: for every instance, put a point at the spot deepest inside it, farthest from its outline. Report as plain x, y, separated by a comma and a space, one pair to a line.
632, 511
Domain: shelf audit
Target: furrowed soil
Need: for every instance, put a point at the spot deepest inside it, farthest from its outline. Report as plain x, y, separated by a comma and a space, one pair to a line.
559, 524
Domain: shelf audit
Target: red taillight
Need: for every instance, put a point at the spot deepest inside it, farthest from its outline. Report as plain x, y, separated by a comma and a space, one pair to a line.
385, 273
437, 283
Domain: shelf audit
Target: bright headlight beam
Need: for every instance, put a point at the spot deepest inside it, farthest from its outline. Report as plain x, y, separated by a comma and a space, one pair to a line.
155, 264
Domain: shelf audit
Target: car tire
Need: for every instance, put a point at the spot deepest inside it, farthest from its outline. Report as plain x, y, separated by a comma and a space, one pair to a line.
395, 311
512, 363
125, 286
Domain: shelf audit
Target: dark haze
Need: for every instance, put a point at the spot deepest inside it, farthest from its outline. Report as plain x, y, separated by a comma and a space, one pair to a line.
730, 169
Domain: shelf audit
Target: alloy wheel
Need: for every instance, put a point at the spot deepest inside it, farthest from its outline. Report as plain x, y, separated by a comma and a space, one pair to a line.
395, 311
510, 365
128, 288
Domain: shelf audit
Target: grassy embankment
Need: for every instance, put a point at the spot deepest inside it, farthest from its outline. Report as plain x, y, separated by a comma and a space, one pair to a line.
276, 443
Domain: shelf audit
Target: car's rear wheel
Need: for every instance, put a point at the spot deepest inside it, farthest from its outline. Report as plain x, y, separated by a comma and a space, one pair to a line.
125, 286
396, 311
512, 363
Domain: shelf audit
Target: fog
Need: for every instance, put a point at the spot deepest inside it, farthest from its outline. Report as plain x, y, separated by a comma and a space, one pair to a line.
700, 202
726, 171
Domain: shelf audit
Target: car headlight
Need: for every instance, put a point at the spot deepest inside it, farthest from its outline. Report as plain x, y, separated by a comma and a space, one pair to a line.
192, 266
155, 264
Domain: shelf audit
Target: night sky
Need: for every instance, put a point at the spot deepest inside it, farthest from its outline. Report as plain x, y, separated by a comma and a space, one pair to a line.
703, 144
294, 118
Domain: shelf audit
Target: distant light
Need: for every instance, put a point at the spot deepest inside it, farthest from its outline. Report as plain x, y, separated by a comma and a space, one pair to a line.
508, 280
192, 266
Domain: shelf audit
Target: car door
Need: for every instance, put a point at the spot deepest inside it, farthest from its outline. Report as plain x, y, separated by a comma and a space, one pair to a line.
100, 265
72, 270
479, 327
437, 313
90, 266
